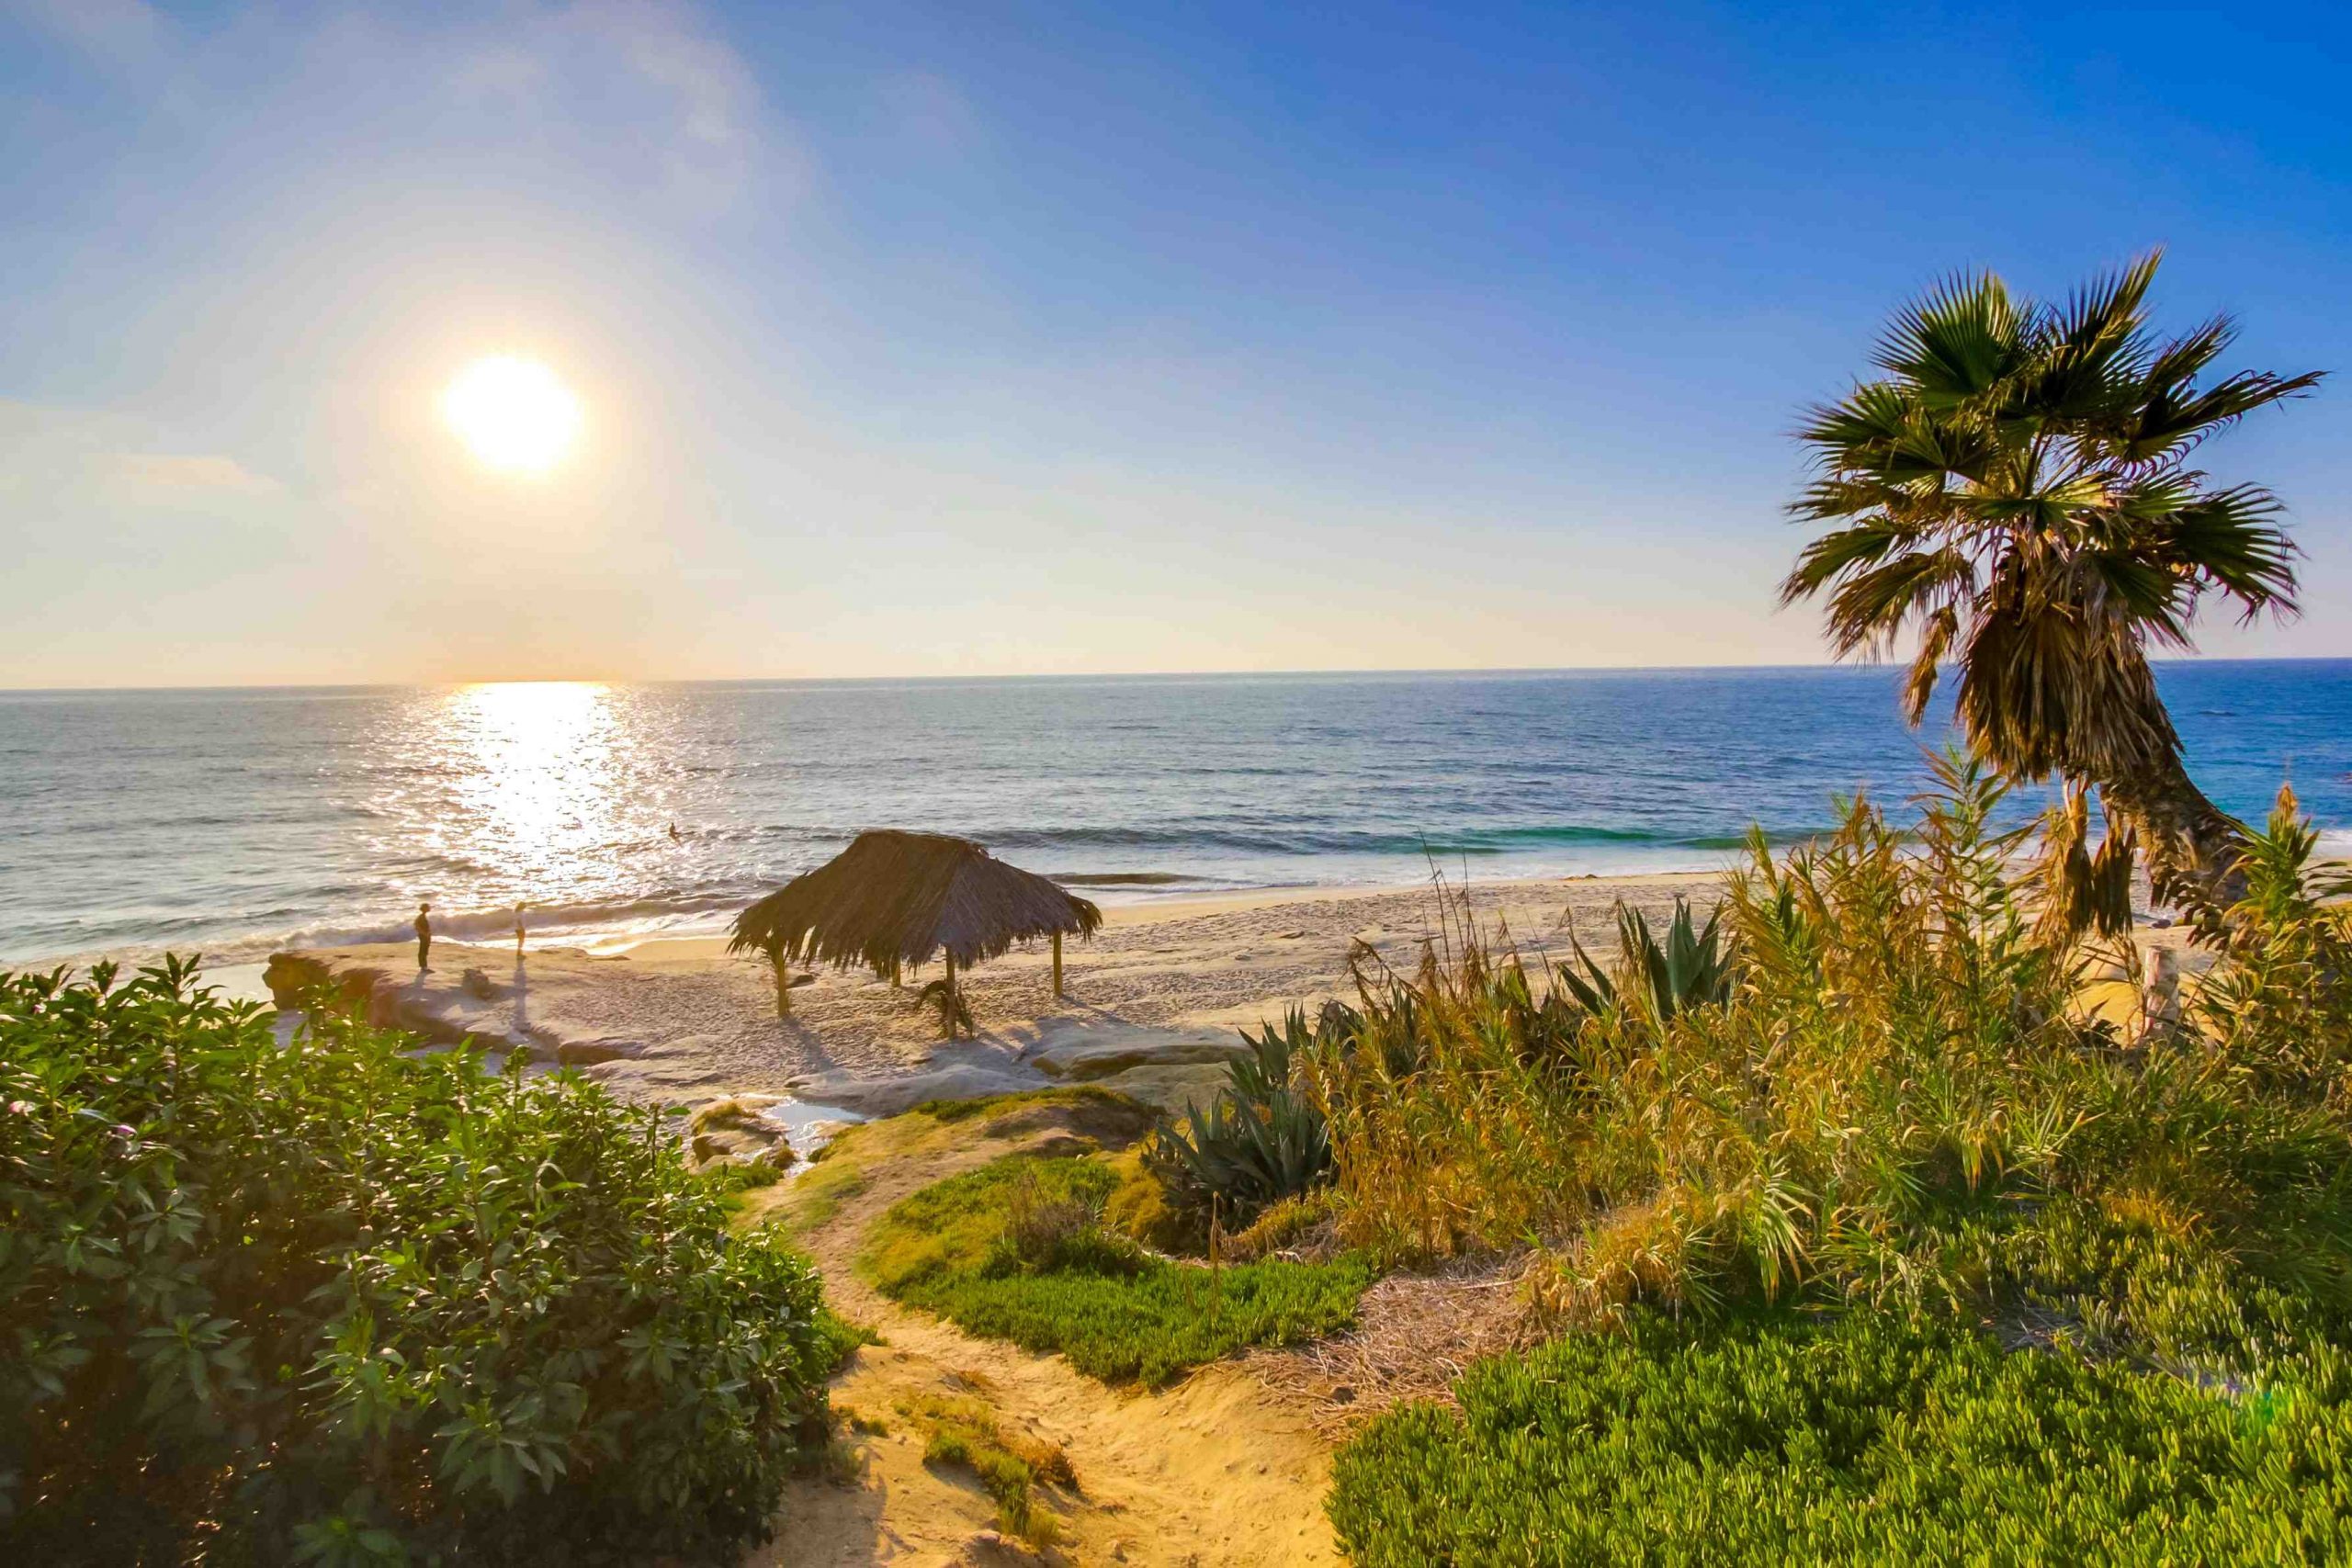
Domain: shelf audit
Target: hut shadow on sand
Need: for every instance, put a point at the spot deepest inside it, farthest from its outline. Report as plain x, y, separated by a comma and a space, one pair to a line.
894, 900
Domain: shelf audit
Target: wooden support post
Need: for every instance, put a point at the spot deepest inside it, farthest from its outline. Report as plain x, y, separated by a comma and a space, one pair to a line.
1058, 963
952, 997
782, 984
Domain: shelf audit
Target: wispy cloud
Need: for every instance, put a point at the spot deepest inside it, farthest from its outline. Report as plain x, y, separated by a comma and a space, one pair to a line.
164, 474
659, 73
117, 35
61, 460
714, 94
650, 94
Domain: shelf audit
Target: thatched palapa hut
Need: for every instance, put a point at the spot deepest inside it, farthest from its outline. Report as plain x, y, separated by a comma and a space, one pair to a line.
894, 900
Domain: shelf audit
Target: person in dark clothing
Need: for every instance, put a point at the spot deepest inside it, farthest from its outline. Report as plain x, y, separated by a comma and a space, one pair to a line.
423, 936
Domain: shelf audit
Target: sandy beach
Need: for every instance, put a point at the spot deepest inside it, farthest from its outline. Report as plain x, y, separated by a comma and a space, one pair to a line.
1151, 1000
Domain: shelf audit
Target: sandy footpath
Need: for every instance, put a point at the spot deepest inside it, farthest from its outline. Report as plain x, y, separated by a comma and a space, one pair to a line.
1219, 1471
1169, 981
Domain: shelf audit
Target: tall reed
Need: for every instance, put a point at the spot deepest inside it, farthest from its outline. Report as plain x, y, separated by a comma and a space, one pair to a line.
1895, 1101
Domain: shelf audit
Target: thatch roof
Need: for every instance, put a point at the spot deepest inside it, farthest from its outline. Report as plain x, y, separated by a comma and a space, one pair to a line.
899, 898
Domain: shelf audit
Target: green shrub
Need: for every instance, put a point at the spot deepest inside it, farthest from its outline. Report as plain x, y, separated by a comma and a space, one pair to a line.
1140, 1207
1116, 1313
326, 1302
2281, 1006
1870, 1442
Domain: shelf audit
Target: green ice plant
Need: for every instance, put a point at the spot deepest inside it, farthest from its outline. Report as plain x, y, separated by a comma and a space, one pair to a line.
957, 1248
1871, 1440
332, 1301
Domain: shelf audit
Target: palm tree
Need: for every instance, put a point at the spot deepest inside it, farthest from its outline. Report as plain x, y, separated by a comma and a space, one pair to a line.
2015, 496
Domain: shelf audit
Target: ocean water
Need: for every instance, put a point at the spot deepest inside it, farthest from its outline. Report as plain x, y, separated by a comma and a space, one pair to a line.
231, 822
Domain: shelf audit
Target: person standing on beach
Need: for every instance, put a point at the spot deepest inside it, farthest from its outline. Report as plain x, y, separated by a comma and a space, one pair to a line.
424, 937
518, 933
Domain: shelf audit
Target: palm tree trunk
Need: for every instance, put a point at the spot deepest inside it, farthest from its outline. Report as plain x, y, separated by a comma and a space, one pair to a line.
2192, 845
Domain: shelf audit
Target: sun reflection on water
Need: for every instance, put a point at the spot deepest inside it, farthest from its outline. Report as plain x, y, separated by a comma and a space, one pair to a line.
536, 790
539, 786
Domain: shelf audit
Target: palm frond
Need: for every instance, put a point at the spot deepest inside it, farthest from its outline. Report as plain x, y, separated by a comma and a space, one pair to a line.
2012, 493
2226, 538
1956, 342
1870, 607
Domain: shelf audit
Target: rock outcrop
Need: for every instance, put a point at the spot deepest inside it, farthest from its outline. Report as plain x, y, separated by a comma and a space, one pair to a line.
474, 1009
733, 1131
677, 1030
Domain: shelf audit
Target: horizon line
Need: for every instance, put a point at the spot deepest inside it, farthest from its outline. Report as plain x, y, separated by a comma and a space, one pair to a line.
1855, 665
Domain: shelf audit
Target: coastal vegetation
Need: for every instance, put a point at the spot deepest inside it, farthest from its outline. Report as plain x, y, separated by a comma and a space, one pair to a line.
2015, 497
1258, 1141
1894, 1251
1899, 1088
1017, 1250
1865, 1439
1018, 1472
332, 1300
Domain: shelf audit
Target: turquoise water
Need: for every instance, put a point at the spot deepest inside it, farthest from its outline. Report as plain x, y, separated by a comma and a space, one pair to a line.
235, 821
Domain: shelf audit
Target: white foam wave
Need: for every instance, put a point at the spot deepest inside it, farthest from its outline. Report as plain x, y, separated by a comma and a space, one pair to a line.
600, 925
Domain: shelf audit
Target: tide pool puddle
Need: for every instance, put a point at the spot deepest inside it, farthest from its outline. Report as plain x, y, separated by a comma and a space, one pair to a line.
807, 1127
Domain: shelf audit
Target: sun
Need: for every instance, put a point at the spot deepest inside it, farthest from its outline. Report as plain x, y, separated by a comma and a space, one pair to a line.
514, 413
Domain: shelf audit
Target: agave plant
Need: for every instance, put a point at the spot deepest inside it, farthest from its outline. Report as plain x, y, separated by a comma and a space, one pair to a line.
1261, 1140
1694, 967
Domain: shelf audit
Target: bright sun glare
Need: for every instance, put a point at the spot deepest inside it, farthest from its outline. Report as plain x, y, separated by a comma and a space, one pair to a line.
514, 413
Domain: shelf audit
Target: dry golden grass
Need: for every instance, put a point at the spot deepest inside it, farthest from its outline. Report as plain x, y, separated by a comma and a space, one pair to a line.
1415, 1335
1902, 1083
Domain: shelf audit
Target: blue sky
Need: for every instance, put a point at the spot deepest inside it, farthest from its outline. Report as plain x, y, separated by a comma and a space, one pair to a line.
980, 339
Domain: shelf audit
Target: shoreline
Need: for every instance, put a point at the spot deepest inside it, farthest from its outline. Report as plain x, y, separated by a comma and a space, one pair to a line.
1152, 1006
1192, 903
237, 965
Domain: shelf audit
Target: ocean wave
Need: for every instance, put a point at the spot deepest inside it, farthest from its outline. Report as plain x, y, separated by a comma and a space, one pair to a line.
623, 918
1325, 841
1284, 839
465, 925
1123, 878
212, 823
